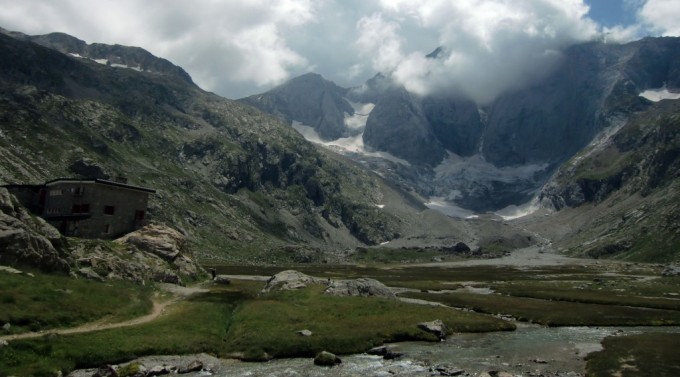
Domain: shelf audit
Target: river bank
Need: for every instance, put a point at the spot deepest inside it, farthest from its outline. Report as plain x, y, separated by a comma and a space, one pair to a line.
529, 351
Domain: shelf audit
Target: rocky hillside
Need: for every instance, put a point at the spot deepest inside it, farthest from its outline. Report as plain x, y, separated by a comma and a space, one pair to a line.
241, 185
620, 197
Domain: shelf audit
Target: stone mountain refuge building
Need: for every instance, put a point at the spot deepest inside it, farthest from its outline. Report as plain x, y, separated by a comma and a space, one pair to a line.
87, 208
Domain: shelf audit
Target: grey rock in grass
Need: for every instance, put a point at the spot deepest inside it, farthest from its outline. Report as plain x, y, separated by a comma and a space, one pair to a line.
290, 280
305, 332
363, 287
105, 371
327, 359
386, 352
446, 370
461, 247
158, 370
6, 326
672, 270
194, 366
90, 274
3, 343
436, 327
222, 279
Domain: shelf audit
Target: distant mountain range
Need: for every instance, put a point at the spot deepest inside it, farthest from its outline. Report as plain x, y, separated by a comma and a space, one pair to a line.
594, 148
596, 141
488, 157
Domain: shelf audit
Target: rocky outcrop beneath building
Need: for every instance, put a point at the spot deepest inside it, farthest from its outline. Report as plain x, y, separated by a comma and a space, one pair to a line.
153, 253
27, 241
156, 239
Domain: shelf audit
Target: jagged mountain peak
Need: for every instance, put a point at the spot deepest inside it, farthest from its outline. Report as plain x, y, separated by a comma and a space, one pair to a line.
309, 99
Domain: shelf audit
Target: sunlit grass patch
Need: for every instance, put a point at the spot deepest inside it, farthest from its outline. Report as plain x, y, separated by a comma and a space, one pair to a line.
269, 325
555, 313
196, 325
50, 301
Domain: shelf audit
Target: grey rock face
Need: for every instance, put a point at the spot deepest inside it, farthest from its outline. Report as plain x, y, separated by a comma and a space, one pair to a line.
290, 280
399, 125
194, 366
159, 240
362, 287
326, 359
436, 327
308, 99
25, 241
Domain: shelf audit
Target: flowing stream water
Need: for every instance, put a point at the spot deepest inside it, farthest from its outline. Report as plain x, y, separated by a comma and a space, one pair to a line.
531, 350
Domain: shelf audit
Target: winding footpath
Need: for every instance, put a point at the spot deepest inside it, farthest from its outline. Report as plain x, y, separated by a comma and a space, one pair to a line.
158, 309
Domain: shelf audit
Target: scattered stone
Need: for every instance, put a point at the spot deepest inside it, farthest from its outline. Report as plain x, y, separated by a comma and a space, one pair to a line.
158, 370
461, 247
132, 370
378, 351
539, 361
386, 352
446, 370
222, 279
391, 355
167, 276
363, 287
194, 366
326, 359
9, 270
305, 332
7, 326
436, 327
437, 259
673, 270
105, 371
90, 274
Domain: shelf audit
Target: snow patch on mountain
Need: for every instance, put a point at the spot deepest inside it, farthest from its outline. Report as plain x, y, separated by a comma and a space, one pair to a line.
106, 62
512, 212
442, 205
351, 144
345, 145
656, 95
357, 121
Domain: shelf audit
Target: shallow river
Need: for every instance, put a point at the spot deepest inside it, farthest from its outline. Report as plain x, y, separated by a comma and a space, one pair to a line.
530, 350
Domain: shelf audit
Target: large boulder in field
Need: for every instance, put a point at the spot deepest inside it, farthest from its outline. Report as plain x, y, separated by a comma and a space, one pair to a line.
289, 280
436, 327
363, 287
157, 239
326, 359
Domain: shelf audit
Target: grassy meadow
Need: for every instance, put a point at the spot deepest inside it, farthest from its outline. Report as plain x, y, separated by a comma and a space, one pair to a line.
235, 320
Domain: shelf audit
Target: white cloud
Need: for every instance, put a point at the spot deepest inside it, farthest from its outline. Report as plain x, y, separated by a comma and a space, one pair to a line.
221, 43
493, 45
236, 47
662, 16
621, 34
